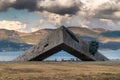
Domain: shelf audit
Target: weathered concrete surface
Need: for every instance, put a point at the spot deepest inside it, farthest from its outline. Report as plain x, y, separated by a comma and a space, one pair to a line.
60, 39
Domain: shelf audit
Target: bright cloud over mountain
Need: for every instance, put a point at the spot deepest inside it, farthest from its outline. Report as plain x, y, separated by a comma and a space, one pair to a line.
32, 15
12, 25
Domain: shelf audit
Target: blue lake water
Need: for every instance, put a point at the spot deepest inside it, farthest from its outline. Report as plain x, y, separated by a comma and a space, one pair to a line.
8, 56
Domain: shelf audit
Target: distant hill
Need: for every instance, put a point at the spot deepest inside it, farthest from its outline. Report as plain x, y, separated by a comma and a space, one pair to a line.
35, 37
84, 31
105, 37
99, 30
110, 45
111, 34
5, 34
20, 37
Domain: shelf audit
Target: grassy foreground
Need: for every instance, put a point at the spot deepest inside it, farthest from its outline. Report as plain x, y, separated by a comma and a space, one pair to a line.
60, 71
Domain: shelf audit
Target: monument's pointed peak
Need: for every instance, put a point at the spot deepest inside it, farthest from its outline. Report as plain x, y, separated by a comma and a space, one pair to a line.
62, 27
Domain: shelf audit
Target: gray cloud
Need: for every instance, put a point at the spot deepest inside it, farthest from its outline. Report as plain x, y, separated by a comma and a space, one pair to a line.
109, 10
17, 4
55, 6
64, 7
5, 4
91, 13
25, 4
60, 6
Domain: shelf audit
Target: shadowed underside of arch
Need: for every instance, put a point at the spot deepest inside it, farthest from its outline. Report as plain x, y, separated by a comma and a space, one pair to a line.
60, 39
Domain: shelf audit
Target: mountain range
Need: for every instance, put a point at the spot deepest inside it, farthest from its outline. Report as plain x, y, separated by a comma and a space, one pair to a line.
14, 40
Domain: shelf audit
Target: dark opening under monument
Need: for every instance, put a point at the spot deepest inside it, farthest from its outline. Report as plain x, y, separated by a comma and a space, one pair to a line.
60, 39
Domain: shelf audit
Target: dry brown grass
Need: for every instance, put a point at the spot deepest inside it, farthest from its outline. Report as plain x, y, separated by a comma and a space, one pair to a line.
60, 71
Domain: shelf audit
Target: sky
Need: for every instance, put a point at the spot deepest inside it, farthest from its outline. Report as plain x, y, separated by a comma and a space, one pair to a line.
32, 15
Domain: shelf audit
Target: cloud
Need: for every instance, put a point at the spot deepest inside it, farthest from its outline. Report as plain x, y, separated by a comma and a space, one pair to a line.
25, 4
5, 4
83, 13
58, 20
98, 8
59, 6
117, 14
12, 25
18, 4
56, 6
104, 8
92, 4
109, 10
109, 22
53, 18
118, 23
34, 29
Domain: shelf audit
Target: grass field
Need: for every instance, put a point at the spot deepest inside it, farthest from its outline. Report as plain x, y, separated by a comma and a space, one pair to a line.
60, 71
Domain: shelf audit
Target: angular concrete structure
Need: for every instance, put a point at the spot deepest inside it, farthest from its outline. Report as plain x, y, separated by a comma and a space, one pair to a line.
60, 39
